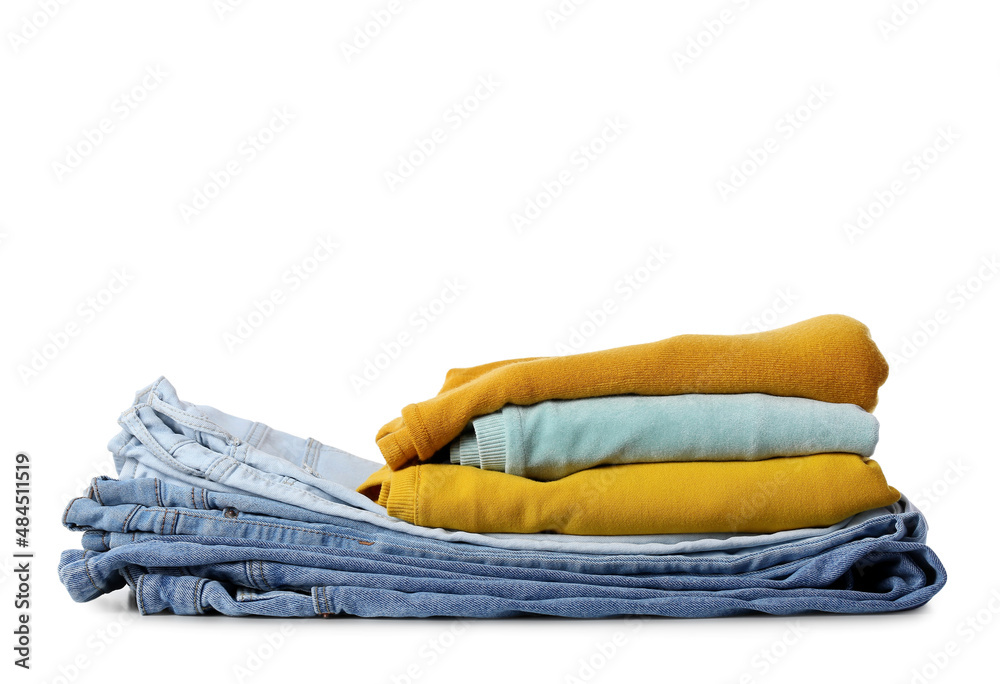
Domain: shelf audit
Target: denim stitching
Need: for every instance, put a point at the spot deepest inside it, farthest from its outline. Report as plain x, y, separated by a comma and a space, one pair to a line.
86, 568
66, 512
128, 517
138, 595
197, 596
263, 576
261, 523
154, 445
200, 422
97, 494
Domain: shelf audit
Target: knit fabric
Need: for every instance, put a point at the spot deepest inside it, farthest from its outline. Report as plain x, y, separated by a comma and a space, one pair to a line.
649, 498
555, 438
827, 358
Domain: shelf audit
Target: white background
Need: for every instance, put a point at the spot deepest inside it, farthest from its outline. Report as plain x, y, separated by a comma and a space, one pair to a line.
889, 91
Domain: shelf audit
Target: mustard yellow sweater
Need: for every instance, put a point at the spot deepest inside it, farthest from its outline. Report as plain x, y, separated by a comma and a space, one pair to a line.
646, 498
828, 358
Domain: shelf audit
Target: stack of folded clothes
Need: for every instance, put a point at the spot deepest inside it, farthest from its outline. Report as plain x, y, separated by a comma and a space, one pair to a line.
692, 477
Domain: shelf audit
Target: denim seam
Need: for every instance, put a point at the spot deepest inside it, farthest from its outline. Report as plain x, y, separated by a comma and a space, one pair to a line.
66, 512
128, 517
154, 387
197, 596
256, 474
194, 503
156, 490
97, 493
209, 473
154, 445
118, 453
202, 423
86, 569
231, 463
267, 524
237, 462
248, 573
307, 456
253, 437
317, 449
263, 575
316, 452
138, 595
315, 599
253, 567
182, 443
213, 466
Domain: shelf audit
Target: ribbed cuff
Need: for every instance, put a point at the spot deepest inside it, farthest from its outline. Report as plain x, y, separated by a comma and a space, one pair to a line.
468, 449
492, 438
402, 500
391, 450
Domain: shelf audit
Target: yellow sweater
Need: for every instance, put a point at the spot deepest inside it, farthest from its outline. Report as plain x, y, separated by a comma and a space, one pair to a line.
828, 358
647, 498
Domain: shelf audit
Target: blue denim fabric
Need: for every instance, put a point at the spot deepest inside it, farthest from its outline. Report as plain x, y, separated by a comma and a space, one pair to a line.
192, 574
186, 444
189, 595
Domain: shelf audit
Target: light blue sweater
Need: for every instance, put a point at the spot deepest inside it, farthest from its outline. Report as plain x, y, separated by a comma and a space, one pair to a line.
552, 439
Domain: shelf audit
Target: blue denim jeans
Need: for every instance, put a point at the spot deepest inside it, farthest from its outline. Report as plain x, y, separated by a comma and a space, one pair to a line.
186, 444
192, 559
191, 574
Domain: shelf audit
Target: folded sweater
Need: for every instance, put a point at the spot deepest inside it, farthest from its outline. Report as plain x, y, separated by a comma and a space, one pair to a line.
555, 438
827, 358
645, 498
